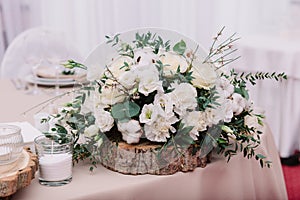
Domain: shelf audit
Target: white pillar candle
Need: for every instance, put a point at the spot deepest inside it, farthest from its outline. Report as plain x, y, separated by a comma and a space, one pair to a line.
55, 167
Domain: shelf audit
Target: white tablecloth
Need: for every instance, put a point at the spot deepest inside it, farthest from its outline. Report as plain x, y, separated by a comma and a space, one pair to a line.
239, 179
279, 53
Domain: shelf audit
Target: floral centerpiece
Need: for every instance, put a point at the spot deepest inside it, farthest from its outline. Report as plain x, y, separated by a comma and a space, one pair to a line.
158, 103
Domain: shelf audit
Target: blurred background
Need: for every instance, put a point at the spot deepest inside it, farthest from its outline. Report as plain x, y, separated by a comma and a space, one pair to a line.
87, 22
269, 31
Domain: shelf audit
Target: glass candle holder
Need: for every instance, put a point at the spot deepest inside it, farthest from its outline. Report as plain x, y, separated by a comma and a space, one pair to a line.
55, 159
11, 143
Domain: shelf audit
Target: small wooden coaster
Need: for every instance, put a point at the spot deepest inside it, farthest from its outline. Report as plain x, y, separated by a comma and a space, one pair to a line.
18, 175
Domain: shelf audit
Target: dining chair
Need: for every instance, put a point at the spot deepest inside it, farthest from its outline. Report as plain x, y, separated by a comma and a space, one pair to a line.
40, 45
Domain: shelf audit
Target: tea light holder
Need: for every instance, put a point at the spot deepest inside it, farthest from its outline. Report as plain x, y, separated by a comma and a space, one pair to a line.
55, 159
11, 143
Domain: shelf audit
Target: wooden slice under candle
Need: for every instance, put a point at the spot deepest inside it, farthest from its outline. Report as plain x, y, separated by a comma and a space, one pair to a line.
18, 174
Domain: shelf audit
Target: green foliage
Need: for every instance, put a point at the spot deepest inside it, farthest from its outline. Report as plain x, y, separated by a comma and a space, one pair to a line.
180, 47
71, 64
125, 111
68, 72
178, 142
240, 138
243, 78
151, 40
210, 139
207, 98
114, 40
177, 77
229, 138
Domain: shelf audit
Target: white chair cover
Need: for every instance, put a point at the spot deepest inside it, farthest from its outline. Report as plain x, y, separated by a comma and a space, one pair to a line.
34, 46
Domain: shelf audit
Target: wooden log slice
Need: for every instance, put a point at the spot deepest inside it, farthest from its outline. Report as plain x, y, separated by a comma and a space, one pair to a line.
20, 175
149, 158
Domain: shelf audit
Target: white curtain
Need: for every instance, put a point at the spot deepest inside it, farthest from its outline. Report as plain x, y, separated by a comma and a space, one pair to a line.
15, 17
87, 22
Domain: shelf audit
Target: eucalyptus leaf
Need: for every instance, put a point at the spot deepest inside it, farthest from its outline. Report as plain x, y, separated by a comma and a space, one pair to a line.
125, 111
180, 47
210, 140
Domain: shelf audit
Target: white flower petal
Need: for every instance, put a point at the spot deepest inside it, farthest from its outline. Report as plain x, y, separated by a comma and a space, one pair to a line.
131, 131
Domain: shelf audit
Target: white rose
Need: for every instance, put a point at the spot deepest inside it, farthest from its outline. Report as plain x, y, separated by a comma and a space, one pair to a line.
238, 103
145, 56
131, 131
111, 95
128, 79
91, 131
204, 75
183, 97
172, 61
104, 120
148, 77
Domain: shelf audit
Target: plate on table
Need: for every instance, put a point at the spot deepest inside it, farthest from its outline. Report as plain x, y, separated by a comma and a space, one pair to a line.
49, 73
49, 82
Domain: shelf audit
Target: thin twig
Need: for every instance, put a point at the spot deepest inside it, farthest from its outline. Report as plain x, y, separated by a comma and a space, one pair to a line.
49, 101
115, 79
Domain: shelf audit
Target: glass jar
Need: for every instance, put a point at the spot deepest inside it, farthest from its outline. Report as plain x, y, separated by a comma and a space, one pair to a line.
11, 143
55, 159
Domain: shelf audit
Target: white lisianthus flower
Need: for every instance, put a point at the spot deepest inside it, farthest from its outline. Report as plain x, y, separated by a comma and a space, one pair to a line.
204, 75
110, 95
91, 131
252, 122
165, 102
104, 120
148, 77
149, 113
172, 61
197, 120
159, 131
183, 97
145, 56
238, 103
131, 131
